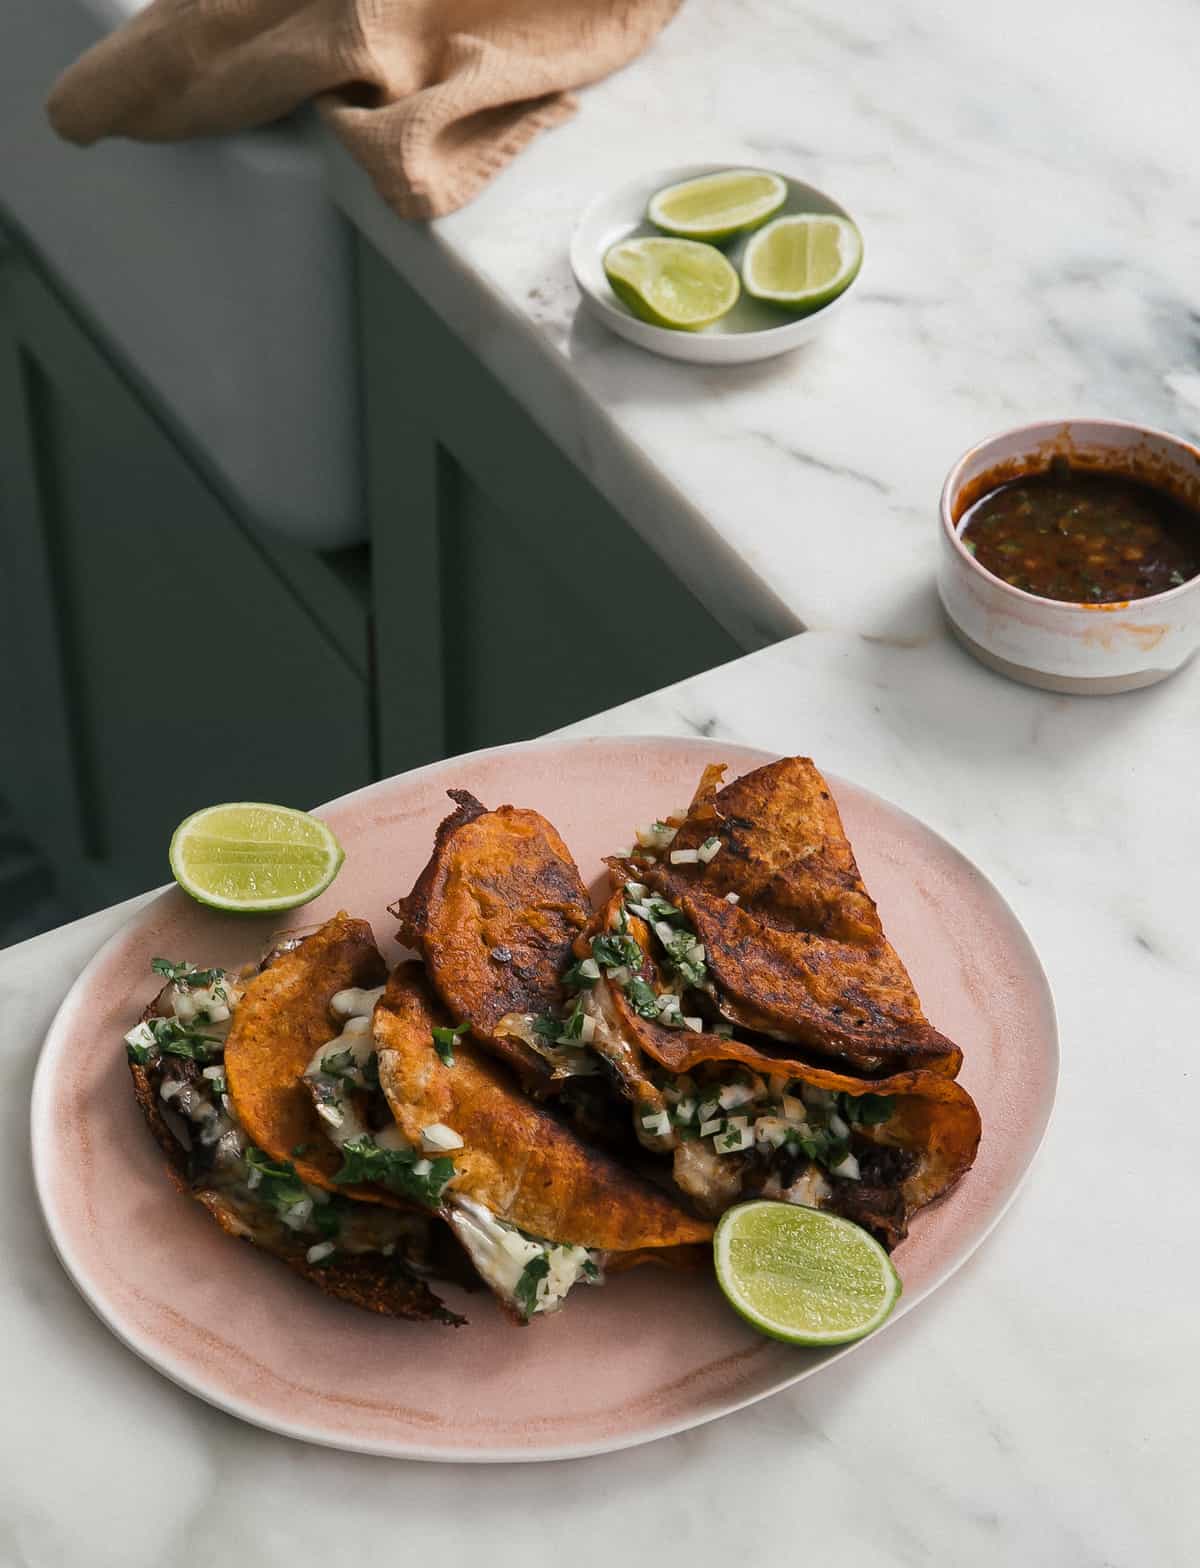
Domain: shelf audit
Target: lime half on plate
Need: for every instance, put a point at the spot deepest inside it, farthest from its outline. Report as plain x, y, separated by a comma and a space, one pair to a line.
802, 262
672, 283
717, 206
248, 857
802, 1275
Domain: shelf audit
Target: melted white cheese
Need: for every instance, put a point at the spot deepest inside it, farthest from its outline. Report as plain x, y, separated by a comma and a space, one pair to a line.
501, 1253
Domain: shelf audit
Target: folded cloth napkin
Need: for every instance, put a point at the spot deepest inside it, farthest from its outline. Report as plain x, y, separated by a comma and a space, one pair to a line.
431, 96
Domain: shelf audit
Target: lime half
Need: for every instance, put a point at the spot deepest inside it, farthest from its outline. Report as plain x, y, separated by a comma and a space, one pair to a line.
801, 1275
717, 206
248, 856
802, 262
672, 283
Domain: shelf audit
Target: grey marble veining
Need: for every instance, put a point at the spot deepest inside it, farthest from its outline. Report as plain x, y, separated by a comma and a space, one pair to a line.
1025, 179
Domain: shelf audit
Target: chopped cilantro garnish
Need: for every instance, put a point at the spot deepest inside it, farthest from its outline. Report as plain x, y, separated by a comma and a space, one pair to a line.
339, 1064
590, 1271
301, 1150
364, 1161
679, 949
546, 1027
613, 951
572, 1027
445, 1039
527, 1286
278, 1185
867, 1109
177, 1039
579, 978
185, 975
642, 998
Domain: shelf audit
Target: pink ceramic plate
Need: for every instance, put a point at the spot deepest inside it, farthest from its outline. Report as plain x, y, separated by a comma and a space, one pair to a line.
647, 1355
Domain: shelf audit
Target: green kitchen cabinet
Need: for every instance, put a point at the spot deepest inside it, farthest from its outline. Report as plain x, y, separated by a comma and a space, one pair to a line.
158, 656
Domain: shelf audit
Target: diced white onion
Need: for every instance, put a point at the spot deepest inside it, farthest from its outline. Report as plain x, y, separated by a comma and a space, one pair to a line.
685, 857
696, 1025
637, 890
734, 1094
170, 1088
590, 969
216, 1071
333, 1114
848, 1168
142, 1035
710, 848
322, 1250
708, 1109
838, 1127
793, 1108
734, 1141
438, 1136
422, 1167
298, 1216
664, 932
218, 1013
771, 1130
685, 1109
587, 1029
815, 1096
733, 898
253, 1177
736, 1123
708, 1127
621, 975
659, 1123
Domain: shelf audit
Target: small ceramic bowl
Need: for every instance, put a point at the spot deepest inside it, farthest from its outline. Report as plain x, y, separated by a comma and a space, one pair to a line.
1087, 648
751, 331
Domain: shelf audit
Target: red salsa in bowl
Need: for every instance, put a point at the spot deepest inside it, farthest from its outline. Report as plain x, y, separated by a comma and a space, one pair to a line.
1083, 536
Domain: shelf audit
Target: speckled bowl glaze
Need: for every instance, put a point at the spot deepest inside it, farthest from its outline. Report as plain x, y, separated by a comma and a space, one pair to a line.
655, 1351
1091, 649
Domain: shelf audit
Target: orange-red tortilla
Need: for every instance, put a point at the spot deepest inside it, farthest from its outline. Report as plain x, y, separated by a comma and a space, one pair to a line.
281, 1022
494, 914
801, 954
517, 1159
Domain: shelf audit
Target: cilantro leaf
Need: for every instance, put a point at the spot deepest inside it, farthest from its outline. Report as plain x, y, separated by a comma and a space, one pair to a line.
364, 1161
176, 1039
575, 978
278, 1184
445, 1039
546, 1027
526, 1292
185, 974
642, 998
613, 951
339, 1064
868, 1109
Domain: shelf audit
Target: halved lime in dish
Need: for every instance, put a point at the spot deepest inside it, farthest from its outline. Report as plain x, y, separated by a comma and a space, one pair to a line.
801, 1275
802, 262
672, 283
250, 857
717, 206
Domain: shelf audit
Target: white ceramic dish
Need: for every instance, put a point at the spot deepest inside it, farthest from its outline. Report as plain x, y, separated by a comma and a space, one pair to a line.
750, 331
1091, 649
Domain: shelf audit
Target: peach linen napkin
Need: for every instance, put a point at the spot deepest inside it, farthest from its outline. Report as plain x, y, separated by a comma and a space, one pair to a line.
433, 97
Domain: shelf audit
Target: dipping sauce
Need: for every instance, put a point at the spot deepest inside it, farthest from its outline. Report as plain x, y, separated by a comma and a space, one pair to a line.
1084, 537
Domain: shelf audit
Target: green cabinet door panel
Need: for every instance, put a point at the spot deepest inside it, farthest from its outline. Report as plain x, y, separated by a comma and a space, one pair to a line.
156, 658
509, 596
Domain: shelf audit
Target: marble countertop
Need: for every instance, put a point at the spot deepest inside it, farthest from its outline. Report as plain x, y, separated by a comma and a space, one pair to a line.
1038, 1409
1025, 180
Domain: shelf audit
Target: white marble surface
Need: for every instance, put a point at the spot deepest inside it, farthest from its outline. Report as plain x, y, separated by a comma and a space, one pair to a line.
1026, 181
1040, 1409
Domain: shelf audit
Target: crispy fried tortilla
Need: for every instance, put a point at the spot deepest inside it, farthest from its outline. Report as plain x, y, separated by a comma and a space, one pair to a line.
494, 914
801, 955
906, 1159
517, 1160
283, 1018
371, 1266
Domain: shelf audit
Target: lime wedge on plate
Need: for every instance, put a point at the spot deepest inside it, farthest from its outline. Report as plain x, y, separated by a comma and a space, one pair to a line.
672, 283
801, 1275
249, 857
802, 262
716, 206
